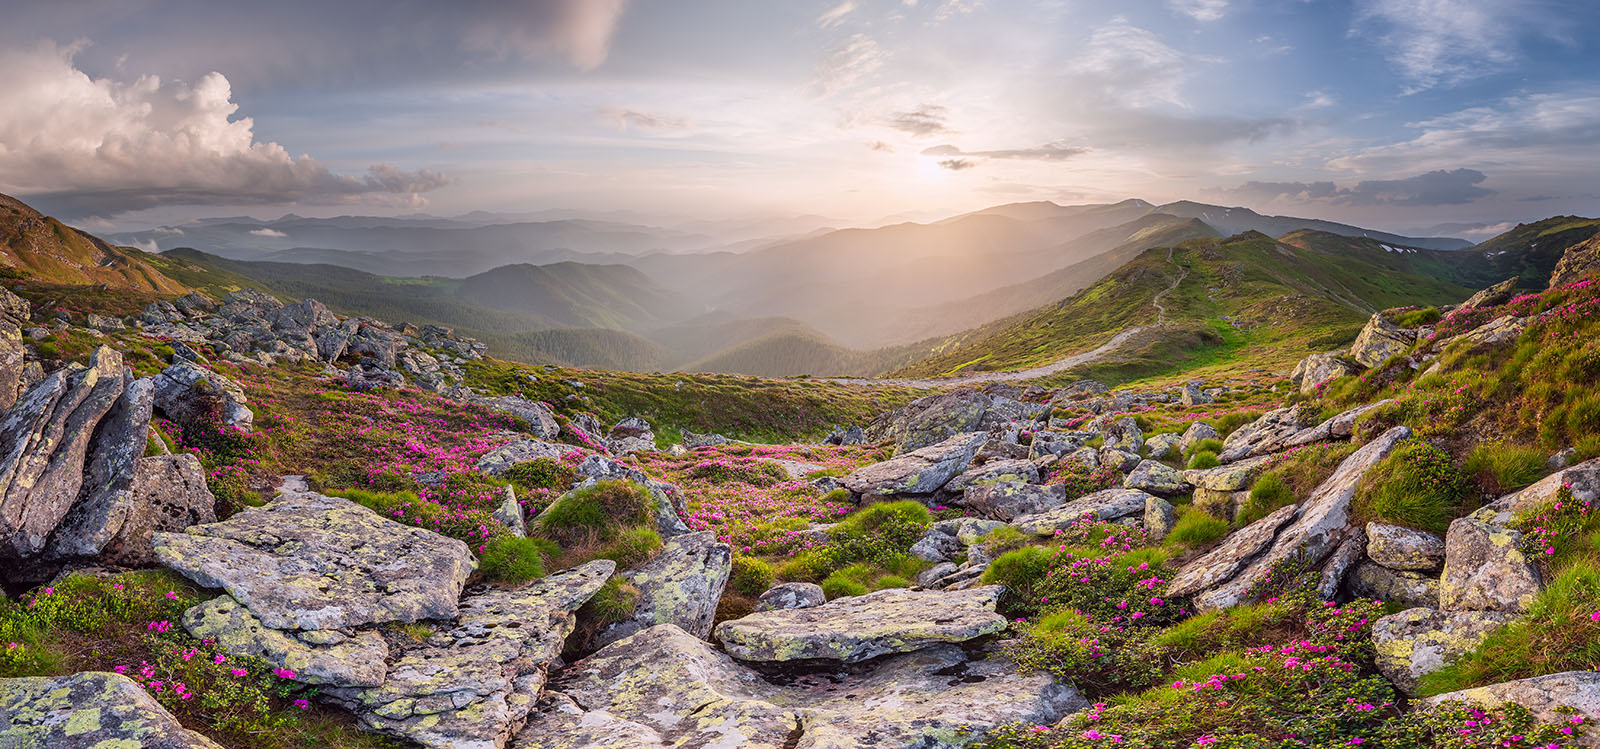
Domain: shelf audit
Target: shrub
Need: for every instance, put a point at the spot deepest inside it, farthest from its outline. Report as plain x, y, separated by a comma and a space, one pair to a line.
1206, 445
753, 471
1197, 529
1502, 467
750, 576
1003, 539
542, 473
1020, 572
511, 559
596, 513
879, 533
632, 547
1099, 659
1204, 459
1417, 486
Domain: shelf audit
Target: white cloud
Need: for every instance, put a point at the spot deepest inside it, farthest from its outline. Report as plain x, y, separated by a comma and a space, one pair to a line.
1319, 100
1200, 10
848, 65
101, 146
1444, 42
1133, 65
265, 232
836, 15
578, 30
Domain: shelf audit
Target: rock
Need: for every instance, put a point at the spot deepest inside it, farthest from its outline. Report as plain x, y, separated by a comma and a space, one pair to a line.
472, 686
1163, 446
14, 312
664, 688
681, 586
106, 497
1236, 551
1010, 499
995, 471
510, 514
105, 323
1320, 523
1197, 432
1159, 517
1085, 458
1498, 332
323, 657
1561, 458
92, 710
167, 493
1579, 260
44, 441
1380, 340
1106, 504
1403, 548
1261, 436
791, 596
1156, 478
972, 530
1192, 395
1419, 641
1229, 478
1120, 460
1222, 505
1351, 552
1578, 691
937, 546
1493, 296
857, 628
1412, 589
191, 394
1317, 370
1484, 570
931, 420
922, 471
540, 419
692, 440
1122, 434
930, 577
1583, 480
499, 460
308, 561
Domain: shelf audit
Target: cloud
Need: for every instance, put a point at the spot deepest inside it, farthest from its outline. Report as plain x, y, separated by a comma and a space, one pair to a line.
633, 119
1446, 42
1454, 187
950, 8
848, 65
836, 15
928, 119
1046, 152
578, 30
265, 232
99, 146
878, 145
1133, 66
956, 165
1200, 10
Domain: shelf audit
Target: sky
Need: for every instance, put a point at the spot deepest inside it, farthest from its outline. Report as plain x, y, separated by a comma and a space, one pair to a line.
1392, 114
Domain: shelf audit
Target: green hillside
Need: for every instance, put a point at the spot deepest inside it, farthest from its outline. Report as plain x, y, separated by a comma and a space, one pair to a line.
576, 294
42, 249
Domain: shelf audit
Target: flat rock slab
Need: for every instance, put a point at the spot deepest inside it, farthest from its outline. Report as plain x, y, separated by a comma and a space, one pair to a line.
323, 657
922, 471
1237, 550
471, 686
91, 709
308, 561
857, 628
665, 688
1004, 500
1417, 642
1106, 504
1574, 690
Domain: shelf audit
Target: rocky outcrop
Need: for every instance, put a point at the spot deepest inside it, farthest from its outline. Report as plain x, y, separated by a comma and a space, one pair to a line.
540, 419
1416, 642
791, 596
165, 493
14, 311
858, 628
1379, 341
1156, 478
1010, 499
665, 688
1237, 550
1403, 548
681, 587
499, 460
931, 420
1545, 696
472, 683
193, 396
1317, 370
312, 562
1107, 504
921, 471
1579, 260
325, 657
1262, 435
1485, 570
90, 709
1493, 296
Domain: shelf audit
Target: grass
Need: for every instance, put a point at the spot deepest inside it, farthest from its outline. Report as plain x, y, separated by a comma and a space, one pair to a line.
1197, 529
1417, 486
511, 560
1501, 467
595, 514
1203, 459
1292, 478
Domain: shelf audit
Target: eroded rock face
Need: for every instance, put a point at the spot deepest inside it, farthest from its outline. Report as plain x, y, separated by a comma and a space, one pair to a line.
91, 709
188, 394
323, 657
1484, 570
1543, 695
664, 688
308, 561
1577, 261
1419, 641
106, 501
472, 686
1010, 499
1156, 478
1380, 340
922, 471
1106, 504
1403, 548
167, 493
1317, 369
791, 596
857, 628
931, 420
681, 586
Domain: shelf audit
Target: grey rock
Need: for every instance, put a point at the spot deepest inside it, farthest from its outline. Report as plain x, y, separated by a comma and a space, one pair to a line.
1221, 564
680, 586
189, 393
510, 514
1351, 552
922, 471
308, 561
1484, 570
1262, 436
1317, 370
92, 709
1229, 478
1403, 548
971, 530
1006, 500
1164, 446
1545, 696
692, 440
858, 628
1419, 641
937, 546
1122, 434
1195, 434
326, 658
167, 493
1493, 296
931, 420
791, 596
930, 577
106, 500
1121, 460
1411, 589
1159, 517
1156, 478
1192, 395
499, 460
1107, 505
540, 419
1380, 340
994, 471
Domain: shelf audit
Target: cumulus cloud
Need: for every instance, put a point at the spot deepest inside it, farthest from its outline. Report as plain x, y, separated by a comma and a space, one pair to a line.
1047, 152
578, 30
1200, 10
102, 146
1444, 42
928, 119
265, 232
1454, 187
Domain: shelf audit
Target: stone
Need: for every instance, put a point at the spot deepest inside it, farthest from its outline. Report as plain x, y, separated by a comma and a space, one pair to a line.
167, 493
1234, 553
1493, 296
931, 420
1416, 642
1058, 443
1106, 505
1159, 517
14, 312
471, 685
106, 496
937, 546
1411, 589
1379, 341
680, 586
857, 628
92, 710
1220, 504
191, 394
1317, 370
1501, 331
1122, 434
499, 460
1119, 460
1578, 261
972, 530
1195, 434
308, 561
1010, 499
1263, 435
995, 471
1192, 395
1229, 478
1084, 458
1484, 570
1403, 548
930, 577
1156, 478
921, 471
351, 660
791, 596
510, 514
1320, 524
1164, 446
1583, 480
692, 440
1544, 696
540, 419
664, 688
1351, 552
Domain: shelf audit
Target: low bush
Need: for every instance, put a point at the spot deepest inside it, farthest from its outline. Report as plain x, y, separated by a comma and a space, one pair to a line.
596, 513
1197, 529
1417, 486
1206, 445
512, 559
1501, 467
750, 576
1204, 459
1080, 651
542, 473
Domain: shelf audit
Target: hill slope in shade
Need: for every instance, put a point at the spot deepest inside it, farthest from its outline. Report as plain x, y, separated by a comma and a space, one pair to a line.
1235, 220
47, 250
577, 295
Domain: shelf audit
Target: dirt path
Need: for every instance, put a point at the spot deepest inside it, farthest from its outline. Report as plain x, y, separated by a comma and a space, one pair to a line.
1056, 367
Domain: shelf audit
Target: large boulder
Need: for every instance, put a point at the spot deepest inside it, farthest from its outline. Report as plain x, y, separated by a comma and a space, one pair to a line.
1578, 261
1197, 432
681, 586
1416, 642
1023, 471
664, 688
1106, 504
1379, 340
1493, 296
472, 683
1229, 478
308, 562
931, 420
192, 395
107, 493
1156, 478
1401, 548
540, 419
1548, 697
921, 471
327, 657
858, 628
1005, 500
1164, 446
1485, 570
1404, 588
1317, 370
89, 710
499, 460
165, 493
1262, 436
